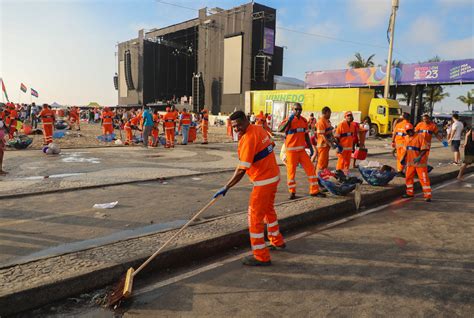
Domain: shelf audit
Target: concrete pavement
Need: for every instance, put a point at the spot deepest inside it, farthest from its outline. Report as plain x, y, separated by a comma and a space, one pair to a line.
410, 259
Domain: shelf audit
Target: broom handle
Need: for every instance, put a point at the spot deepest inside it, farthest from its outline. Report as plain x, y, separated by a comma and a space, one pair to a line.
174, 236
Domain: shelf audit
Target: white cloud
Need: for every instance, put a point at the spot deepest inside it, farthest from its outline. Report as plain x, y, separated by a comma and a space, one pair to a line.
424, 30
368, 14
456, 49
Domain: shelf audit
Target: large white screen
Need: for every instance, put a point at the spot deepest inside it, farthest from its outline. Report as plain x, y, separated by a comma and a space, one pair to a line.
232, 65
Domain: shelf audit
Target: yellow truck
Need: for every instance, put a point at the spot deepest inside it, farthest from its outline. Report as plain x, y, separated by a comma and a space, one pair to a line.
361, 101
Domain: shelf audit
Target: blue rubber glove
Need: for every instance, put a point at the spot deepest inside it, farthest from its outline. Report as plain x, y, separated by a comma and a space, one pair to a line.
292, 116
445, 143
222, 191
417, 160
339, 149
403, 162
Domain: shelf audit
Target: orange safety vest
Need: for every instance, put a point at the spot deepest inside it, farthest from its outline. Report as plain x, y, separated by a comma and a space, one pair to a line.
205, 120
169, 119
296, 135
107, 117
400, 133
47, 116
413, 146
345, 132
10, 120
256, 156
186, 119
127, 126
323, 128
427, 131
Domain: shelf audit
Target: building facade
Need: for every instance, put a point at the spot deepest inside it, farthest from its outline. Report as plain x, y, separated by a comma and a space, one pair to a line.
211, 60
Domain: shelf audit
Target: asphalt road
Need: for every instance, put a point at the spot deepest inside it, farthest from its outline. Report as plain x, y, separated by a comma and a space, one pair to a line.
39, 226
405, 259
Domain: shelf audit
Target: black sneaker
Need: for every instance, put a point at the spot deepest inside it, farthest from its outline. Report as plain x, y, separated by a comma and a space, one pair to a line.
428, 200
406, 196
319, 195
277, 248
292, 196
252, 261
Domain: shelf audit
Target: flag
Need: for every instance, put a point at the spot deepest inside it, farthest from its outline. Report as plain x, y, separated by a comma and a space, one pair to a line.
23, 88
34, 93
4, 90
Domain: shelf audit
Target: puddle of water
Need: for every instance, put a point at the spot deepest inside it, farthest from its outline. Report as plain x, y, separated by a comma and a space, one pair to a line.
86, 244
60, 175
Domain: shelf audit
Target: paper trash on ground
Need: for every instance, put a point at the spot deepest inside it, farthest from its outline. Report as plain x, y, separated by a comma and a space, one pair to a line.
109, 205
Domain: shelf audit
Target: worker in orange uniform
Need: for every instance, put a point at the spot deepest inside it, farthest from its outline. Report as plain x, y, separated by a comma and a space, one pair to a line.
415, 157
296, 141
47, 118
155, 131
324, 135
261, 120
257, 159
204, 126
344, 138
11, 120
169, 122
184, 123
74, 118
428, 129
128, 132
107, 118
398, 141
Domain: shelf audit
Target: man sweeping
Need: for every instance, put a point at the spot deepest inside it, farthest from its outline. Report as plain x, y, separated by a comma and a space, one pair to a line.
257, 159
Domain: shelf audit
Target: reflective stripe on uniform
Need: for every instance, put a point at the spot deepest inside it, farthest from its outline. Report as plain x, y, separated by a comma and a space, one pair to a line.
266, 181
292, 186
425, 131
413, 148
320, 131
347, 148
426, 187
409, 185
291, 181
272, 224
294, 131
295, 148
312, 177
169, 128
259, 247
400, 134
313, 183
274, 233
256, 235
244, 164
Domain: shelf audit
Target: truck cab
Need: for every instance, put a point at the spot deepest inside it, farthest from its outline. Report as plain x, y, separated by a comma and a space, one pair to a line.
383, 112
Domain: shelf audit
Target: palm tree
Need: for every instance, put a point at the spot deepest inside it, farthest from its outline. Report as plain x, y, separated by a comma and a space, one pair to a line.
360, 62
434, 94
468, 99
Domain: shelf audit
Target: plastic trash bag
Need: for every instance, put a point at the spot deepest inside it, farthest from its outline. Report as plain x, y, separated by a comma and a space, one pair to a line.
20, 142
377, 176
329, 181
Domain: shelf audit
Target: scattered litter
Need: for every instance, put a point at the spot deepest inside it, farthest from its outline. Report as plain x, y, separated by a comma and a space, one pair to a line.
109, 205
196, 179
118, 142
164, 182
468, 185
400, 242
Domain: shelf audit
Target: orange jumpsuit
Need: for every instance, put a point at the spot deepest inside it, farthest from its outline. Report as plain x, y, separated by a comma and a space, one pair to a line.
47, 117
107, 122
345, 133
11, 121
261, 120
399, 133
128, 132
74, 118
414, 145
155, 131
427, 131
323, 128
169, 121
205, 126
295, 144
257, 157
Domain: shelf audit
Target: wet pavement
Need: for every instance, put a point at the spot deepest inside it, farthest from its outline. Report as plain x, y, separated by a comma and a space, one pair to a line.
405, 259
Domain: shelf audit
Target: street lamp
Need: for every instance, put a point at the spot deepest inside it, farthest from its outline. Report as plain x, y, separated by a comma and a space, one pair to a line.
390, 48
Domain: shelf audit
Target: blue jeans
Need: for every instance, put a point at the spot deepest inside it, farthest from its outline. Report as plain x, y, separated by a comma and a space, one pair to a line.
185, 132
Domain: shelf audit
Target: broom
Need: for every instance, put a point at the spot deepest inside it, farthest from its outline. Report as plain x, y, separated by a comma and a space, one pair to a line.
124, 287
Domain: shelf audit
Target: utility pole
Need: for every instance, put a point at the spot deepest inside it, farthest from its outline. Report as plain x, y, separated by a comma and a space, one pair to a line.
390, 48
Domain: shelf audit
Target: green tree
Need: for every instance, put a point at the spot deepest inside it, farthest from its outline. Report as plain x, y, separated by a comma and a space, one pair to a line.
468, 99
434, 94
360, 62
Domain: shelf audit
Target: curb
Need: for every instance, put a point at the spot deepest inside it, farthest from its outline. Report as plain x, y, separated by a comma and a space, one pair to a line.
56, 290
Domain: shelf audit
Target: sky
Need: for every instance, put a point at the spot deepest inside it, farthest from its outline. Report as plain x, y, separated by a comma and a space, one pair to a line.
65, 49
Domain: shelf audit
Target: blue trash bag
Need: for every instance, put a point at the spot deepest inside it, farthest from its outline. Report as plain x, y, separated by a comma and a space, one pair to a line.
162, 140
340, 189
137, 139
59, 134
376, 177
106, 138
